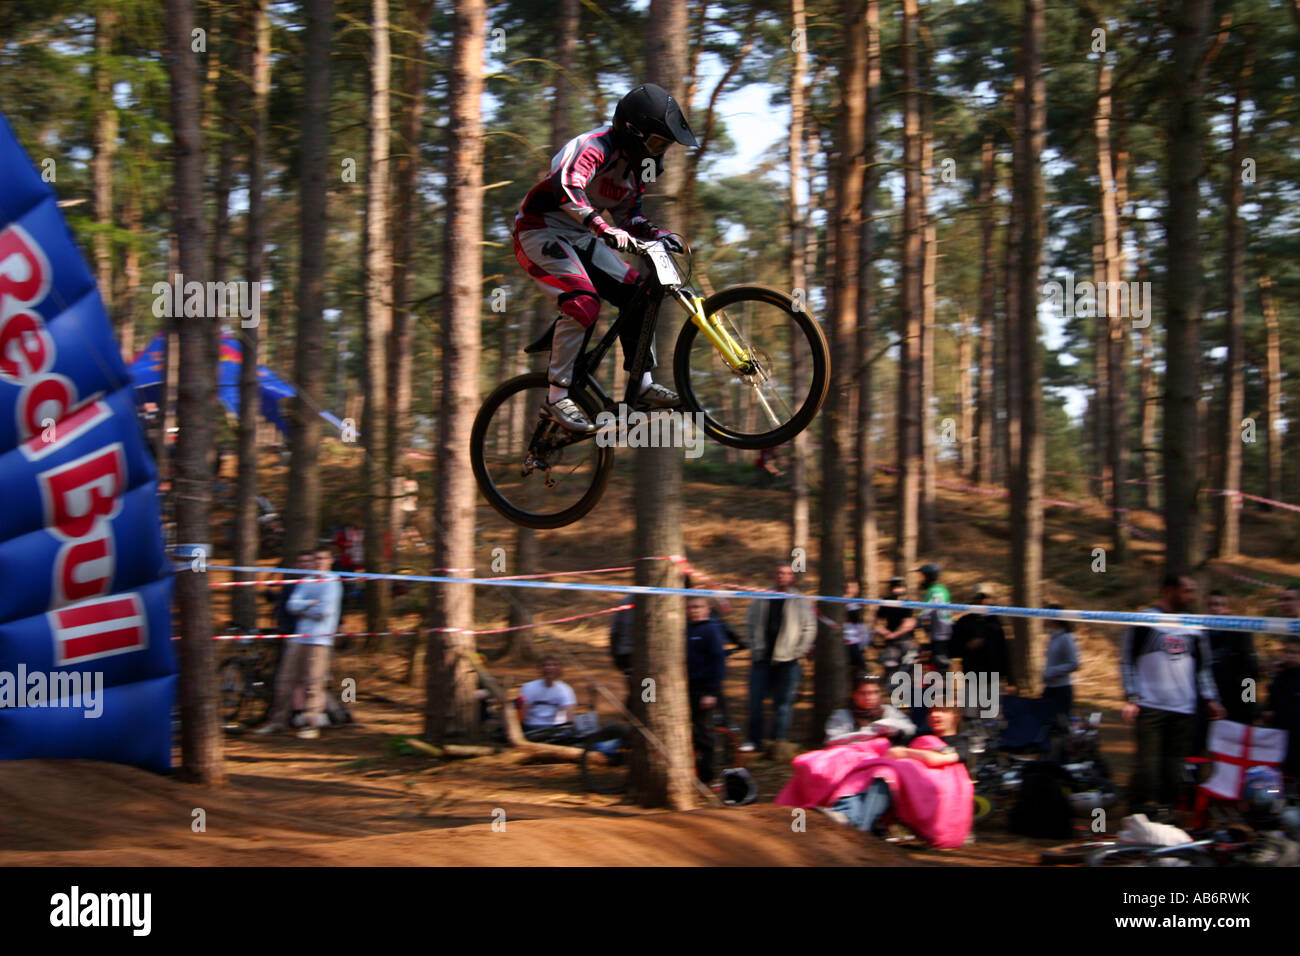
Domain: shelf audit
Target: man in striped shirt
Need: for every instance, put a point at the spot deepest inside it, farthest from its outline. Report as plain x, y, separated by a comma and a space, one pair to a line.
572, 225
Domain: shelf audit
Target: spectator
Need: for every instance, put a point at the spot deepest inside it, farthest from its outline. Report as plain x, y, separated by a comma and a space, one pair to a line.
864, 810
780, 632
937, 622
1162, 669
1289, 603
705, 669
547, 702
981, 643
1232, 659
868, 713
1062, 661
717, 608
622, 636
894, 627
315, 605
854, 630
1284, 704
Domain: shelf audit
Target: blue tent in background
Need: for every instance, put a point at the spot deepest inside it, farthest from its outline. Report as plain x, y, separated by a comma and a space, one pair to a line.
147, 374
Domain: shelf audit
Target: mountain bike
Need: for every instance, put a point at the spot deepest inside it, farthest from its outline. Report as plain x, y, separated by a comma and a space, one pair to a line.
751, 365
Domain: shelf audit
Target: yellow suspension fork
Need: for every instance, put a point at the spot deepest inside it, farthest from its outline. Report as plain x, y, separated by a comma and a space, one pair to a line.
714, 331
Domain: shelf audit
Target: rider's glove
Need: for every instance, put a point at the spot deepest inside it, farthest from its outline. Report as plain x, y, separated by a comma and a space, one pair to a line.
672, 242
616, 238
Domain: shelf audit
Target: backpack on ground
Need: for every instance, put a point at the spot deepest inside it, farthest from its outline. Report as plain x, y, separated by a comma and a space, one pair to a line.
1043, 807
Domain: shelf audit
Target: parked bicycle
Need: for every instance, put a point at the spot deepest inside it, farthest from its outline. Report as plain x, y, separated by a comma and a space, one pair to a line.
751, 361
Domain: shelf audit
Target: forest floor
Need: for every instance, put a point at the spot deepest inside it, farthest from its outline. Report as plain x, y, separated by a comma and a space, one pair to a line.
353, 797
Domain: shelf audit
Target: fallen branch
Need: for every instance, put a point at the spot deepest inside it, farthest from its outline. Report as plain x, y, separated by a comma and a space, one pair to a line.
528, 750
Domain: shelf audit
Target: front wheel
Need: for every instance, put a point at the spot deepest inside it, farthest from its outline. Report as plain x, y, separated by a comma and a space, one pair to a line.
781, 388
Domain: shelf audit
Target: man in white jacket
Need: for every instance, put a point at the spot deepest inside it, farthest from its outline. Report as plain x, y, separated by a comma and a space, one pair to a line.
316, 604
780, 633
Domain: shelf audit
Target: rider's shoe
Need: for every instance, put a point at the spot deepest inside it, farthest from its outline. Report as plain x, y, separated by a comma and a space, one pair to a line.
568, 416
658, 396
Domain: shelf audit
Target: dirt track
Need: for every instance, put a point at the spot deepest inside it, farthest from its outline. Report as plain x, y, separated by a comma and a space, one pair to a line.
87, 814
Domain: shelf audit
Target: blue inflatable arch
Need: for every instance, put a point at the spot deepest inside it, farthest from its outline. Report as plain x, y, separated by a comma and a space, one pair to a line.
86, 664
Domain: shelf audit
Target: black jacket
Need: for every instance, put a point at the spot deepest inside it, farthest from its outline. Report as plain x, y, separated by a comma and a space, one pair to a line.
990, 657
705, 658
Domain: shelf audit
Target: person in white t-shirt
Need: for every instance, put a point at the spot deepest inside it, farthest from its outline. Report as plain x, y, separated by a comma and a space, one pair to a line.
549, 701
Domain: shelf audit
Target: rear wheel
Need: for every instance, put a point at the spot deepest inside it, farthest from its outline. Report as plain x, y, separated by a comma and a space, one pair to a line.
230, 689
779, 391
531, 470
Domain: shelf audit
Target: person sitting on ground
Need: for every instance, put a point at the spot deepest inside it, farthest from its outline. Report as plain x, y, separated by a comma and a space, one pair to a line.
1062, 661
868, 716
925, 785
548, 702
706, 664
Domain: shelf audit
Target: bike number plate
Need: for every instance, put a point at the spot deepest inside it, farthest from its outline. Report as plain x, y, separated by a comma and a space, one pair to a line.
665, 268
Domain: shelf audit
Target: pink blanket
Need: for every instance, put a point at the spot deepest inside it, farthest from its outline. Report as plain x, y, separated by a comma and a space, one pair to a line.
935, 802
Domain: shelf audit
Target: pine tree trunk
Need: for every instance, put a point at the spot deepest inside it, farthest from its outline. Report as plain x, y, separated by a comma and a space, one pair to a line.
256, 34
986, 407
798, 273
450, 678
929, 260
1147, 405
378, 325
1114, 340
1228, 527
1181, 439
662, 776
106, 20
1010, 397
201, 760
130, 275
911, 308
1027, 476
415, 23
831, 678
302, 510
865, 535
1272, 389
965, 431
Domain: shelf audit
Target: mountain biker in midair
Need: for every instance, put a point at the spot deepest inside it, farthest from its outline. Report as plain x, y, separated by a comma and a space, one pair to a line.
572, 225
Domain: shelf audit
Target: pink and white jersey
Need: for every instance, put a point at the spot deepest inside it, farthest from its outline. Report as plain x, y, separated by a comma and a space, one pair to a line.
589, 177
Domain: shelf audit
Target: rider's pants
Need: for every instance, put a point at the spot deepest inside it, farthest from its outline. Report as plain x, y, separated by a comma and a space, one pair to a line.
579, 270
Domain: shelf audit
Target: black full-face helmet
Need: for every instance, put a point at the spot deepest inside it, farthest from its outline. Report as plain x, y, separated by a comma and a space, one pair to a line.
648, 120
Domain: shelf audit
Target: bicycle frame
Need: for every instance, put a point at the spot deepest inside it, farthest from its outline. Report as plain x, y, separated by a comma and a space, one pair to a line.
649, 299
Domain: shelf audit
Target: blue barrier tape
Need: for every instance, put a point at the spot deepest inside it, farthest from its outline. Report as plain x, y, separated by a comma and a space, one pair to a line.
1257, 625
